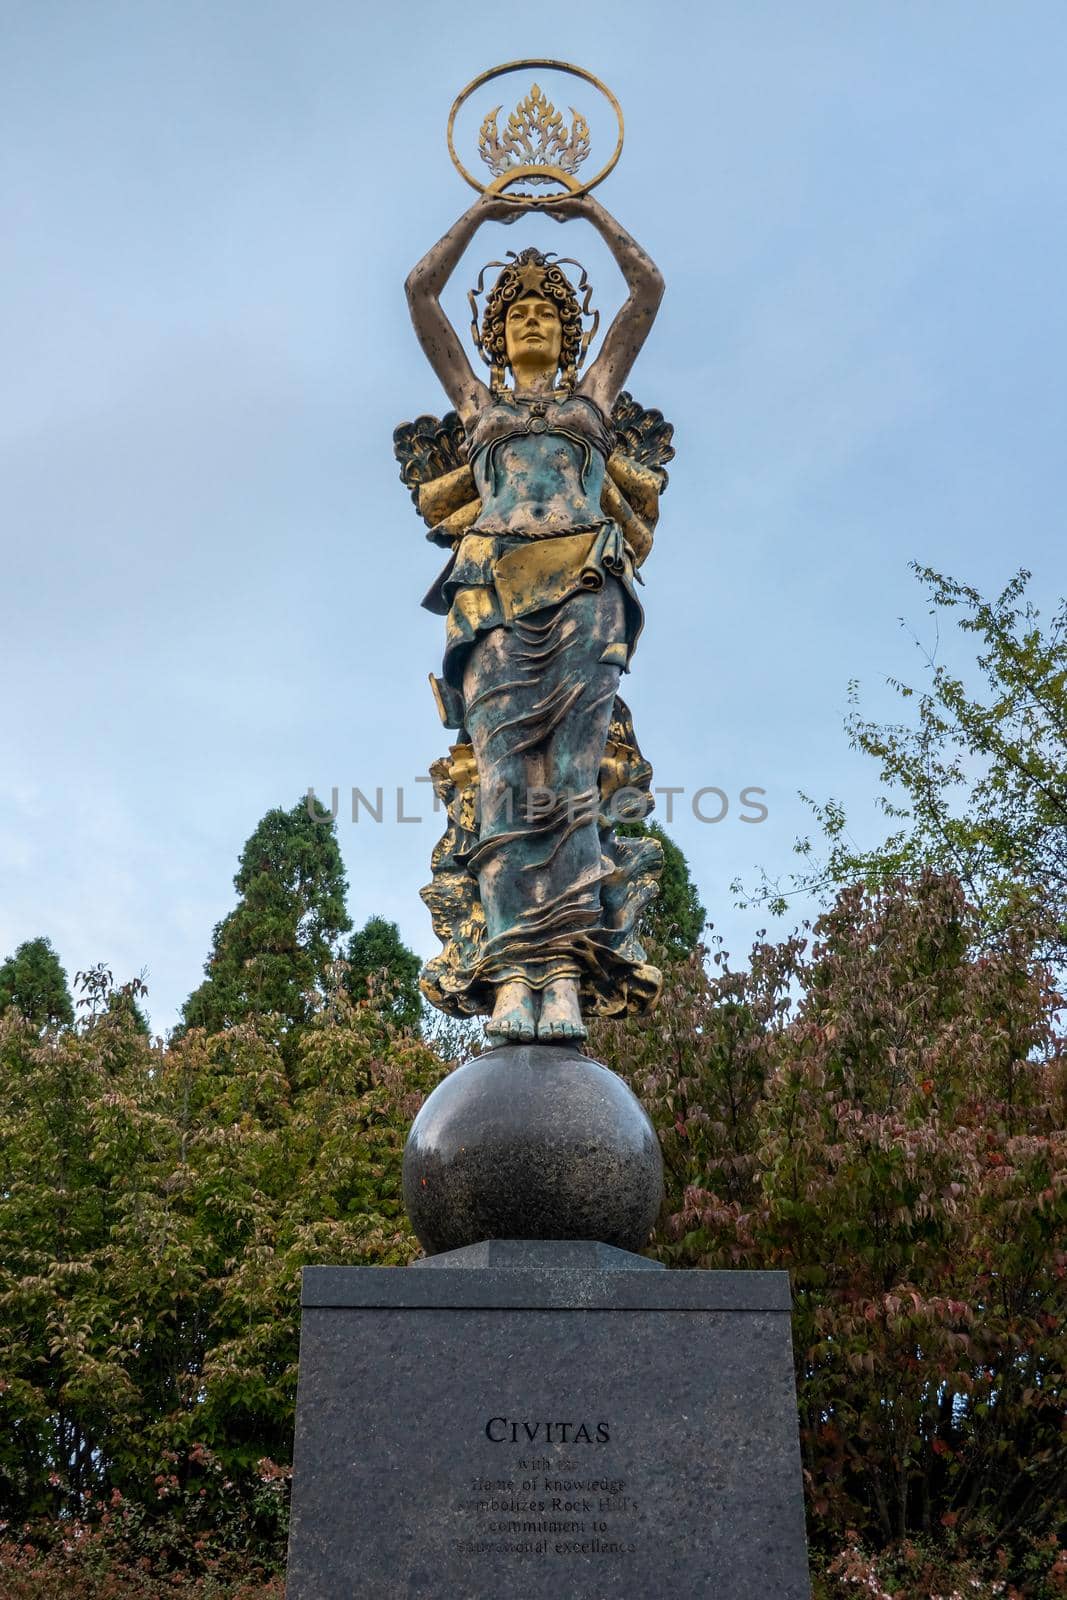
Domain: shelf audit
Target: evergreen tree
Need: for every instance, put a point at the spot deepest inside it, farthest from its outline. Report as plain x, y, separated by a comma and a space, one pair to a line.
273, 951
34, 983
381, 966
675, 920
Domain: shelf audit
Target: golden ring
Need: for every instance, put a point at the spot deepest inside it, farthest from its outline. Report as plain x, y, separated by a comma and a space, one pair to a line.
500, 183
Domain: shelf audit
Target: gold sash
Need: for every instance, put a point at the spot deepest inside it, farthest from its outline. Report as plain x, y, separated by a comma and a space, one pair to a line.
543, 572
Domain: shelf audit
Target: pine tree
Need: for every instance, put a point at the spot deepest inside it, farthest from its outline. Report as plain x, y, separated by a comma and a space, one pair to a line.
35, 984
381, 966
272, 953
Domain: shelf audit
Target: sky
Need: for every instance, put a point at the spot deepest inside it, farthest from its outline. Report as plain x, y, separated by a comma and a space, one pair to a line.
210, 572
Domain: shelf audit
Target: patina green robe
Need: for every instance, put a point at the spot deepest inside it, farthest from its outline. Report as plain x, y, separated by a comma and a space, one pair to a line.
531, 880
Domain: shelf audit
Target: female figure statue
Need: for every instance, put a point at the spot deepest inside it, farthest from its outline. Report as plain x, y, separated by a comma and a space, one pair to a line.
536, 895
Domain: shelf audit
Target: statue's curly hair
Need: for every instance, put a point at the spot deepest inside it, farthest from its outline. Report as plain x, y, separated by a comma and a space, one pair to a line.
555, 287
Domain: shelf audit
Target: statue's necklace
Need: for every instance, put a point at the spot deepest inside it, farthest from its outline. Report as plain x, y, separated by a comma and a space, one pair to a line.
537, 420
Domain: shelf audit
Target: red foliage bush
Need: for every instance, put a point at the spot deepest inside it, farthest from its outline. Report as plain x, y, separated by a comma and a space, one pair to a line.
883, 1117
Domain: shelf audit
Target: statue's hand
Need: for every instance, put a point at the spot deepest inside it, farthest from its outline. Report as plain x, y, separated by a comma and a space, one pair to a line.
495, 208
564, 208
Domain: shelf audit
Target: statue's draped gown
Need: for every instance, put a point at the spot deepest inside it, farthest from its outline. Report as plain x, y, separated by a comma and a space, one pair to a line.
542, 617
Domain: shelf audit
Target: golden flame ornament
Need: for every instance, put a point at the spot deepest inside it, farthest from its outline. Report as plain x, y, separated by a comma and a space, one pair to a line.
536, 145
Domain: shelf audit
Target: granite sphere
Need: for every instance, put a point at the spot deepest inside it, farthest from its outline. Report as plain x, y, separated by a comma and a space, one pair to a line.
532, 1141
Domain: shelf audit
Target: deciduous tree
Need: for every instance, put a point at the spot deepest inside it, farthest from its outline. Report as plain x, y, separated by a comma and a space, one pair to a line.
976, 780
894, 1136
157, 1206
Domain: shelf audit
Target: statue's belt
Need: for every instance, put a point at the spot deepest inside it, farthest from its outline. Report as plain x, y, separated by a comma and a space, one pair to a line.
543, 572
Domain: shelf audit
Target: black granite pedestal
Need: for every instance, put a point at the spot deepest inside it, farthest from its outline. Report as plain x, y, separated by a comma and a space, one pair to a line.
545, 1419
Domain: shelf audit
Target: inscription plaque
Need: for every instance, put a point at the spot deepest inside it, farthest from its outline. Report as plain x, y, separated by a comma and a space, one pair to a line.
491, 1430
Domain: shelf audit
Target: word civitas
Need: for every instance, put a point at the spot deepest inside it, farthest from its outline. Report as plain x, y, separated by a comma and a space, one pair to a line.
502, 1430
708, 804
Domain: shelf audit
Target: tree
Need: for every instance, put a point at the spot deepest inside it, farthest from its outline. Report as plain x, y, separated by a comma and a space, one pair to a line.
883, 1115
122, 1000
382, 968
273, 952
157, 1205
976, 785
99, 994
33, 982
675, 920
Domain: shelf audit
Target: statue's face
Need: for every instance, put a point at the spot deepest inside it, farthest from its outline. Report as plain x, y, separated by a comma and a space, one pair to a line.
533, 334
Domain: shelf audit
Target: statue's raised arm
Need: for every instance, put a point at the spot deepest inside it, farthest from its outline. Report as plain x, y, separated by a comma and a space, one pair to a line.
439, 340
628, 332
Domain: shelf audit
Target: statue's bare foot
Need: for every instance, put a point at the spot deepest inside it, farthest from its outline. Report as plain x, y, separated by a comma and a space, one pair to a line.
560, 1017
514, 1019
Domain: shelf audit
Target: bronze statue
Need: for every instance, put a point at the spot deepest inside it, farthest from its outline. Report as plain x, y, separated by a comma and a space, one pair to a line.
544, 486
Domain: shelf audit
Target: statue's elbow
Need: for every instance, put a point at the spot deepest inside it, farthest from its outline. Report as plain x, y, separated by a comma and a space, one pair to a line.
418, 284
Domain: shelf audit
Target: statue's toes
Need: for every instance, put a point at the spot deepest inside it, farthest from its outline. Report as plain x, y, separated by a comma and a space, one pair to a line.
564, 1028
559, 1028
510, 1030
